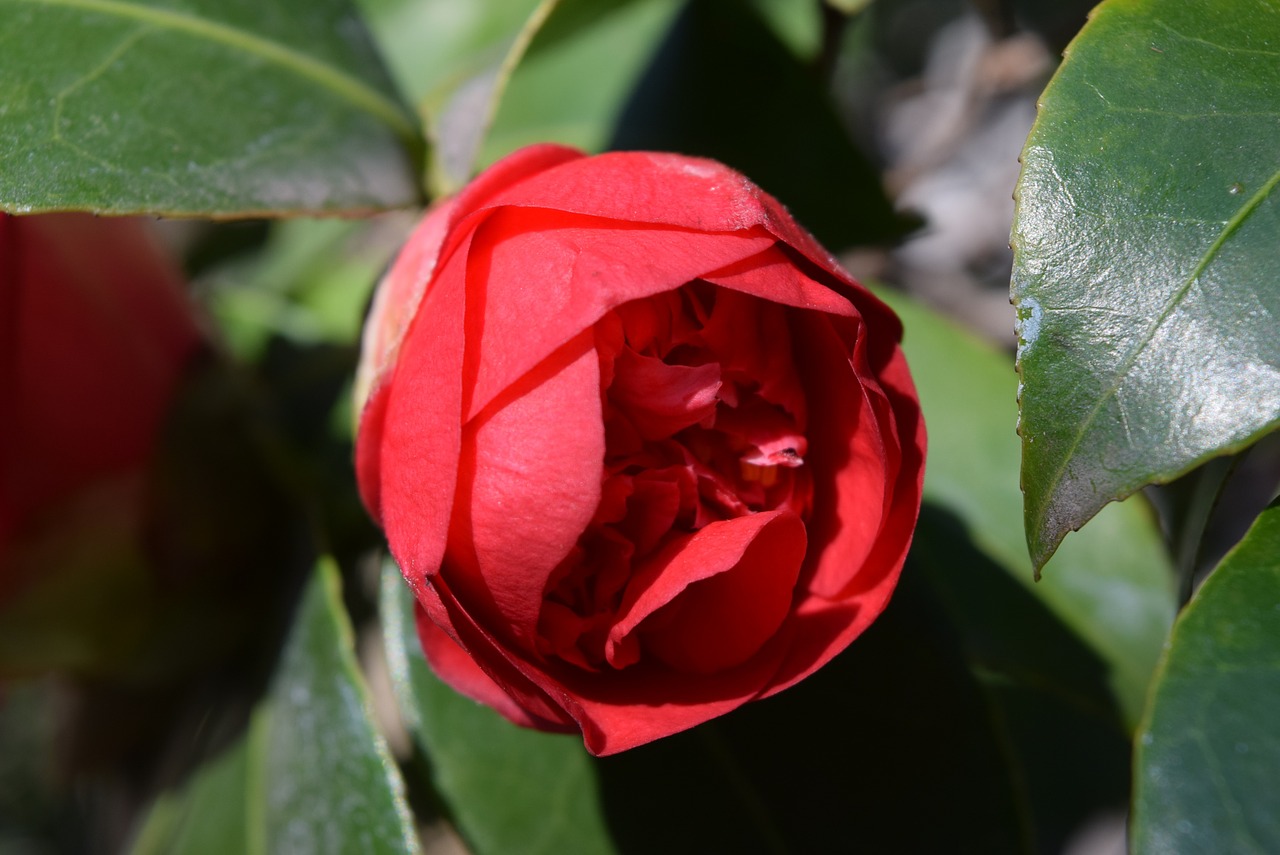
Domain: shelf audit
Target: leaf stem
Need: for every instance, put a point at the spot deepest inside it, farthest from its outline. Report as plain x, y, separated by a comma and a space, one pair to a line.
1191, 519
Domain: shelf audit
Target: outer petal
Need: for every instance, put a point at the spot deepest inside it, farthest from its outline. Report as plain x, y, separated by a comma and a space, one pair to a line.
820, 627
773, 275
399, 297
619, 711
852, 454
408, 453
686, 192
466, 657
530, 484
549, 276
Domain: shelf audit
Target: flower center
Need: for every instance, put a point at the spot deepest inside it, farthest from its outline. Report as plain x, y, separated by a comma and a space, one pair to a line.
704, 421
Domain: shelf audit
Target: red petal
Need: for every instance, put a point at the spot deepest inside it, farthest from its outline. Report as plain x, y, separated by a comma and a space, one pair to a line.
410, 466
530, 484
396, 301
710, 601
774, 275
548, 276
821, 627
660, 399
464, 656
400, 294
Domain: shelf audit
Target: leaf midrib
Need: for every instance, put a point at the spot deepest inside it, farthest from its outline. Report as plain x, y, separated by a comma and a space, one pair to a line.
336, 81
1175, 300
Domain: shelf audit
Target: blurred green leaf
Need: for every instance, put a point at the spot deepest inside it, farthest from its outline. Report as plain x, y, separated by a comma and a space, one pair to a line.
796, 23
769, 116
452, 59
572, 83
1146, 243
308, 283
433, 46
1210, 746
511, 791
208, 817
849, 7
312, 774
34, 809
1111, 585
200, 108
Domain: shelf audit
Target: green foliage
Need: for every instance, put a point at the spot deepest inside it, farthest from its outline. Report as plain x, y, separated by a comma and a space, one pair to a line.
1209, 749
984, 711
1145, 241
1111, 586
312, 774
199, 109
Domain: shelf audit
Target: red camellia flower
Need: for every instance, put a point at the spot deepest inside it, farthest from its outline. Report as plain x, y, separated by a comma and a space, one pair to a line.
642, 450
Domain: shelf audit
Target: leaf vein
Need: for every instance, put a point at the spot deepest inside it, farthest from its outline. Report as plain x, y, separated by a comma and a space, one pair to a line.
335, 80
1148, 336
1225, 48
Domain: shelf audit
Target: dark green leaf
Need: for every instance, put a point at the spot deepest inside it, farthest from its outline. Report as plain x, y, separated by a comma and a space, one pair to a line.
1146, 243
325, 780
510, 790
862, 731
1209, 752
892, 747
202, 108
1111, 585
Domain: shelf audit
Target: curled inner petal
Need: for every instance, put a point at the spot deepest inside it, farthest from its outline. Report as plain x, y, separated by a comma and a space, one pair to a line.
704, 429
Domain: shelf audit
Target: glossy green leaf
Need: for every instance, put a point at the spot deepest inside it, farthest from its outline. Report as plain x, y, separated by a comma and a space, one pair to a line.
1209, 749
1111, 585
312, 774
510, 790
201, 108
1146, 243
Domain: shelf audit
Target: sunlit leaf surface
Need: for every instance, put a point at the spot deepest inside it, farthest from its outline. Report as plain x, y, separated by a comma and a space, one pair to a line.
1147, 239
203, 108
